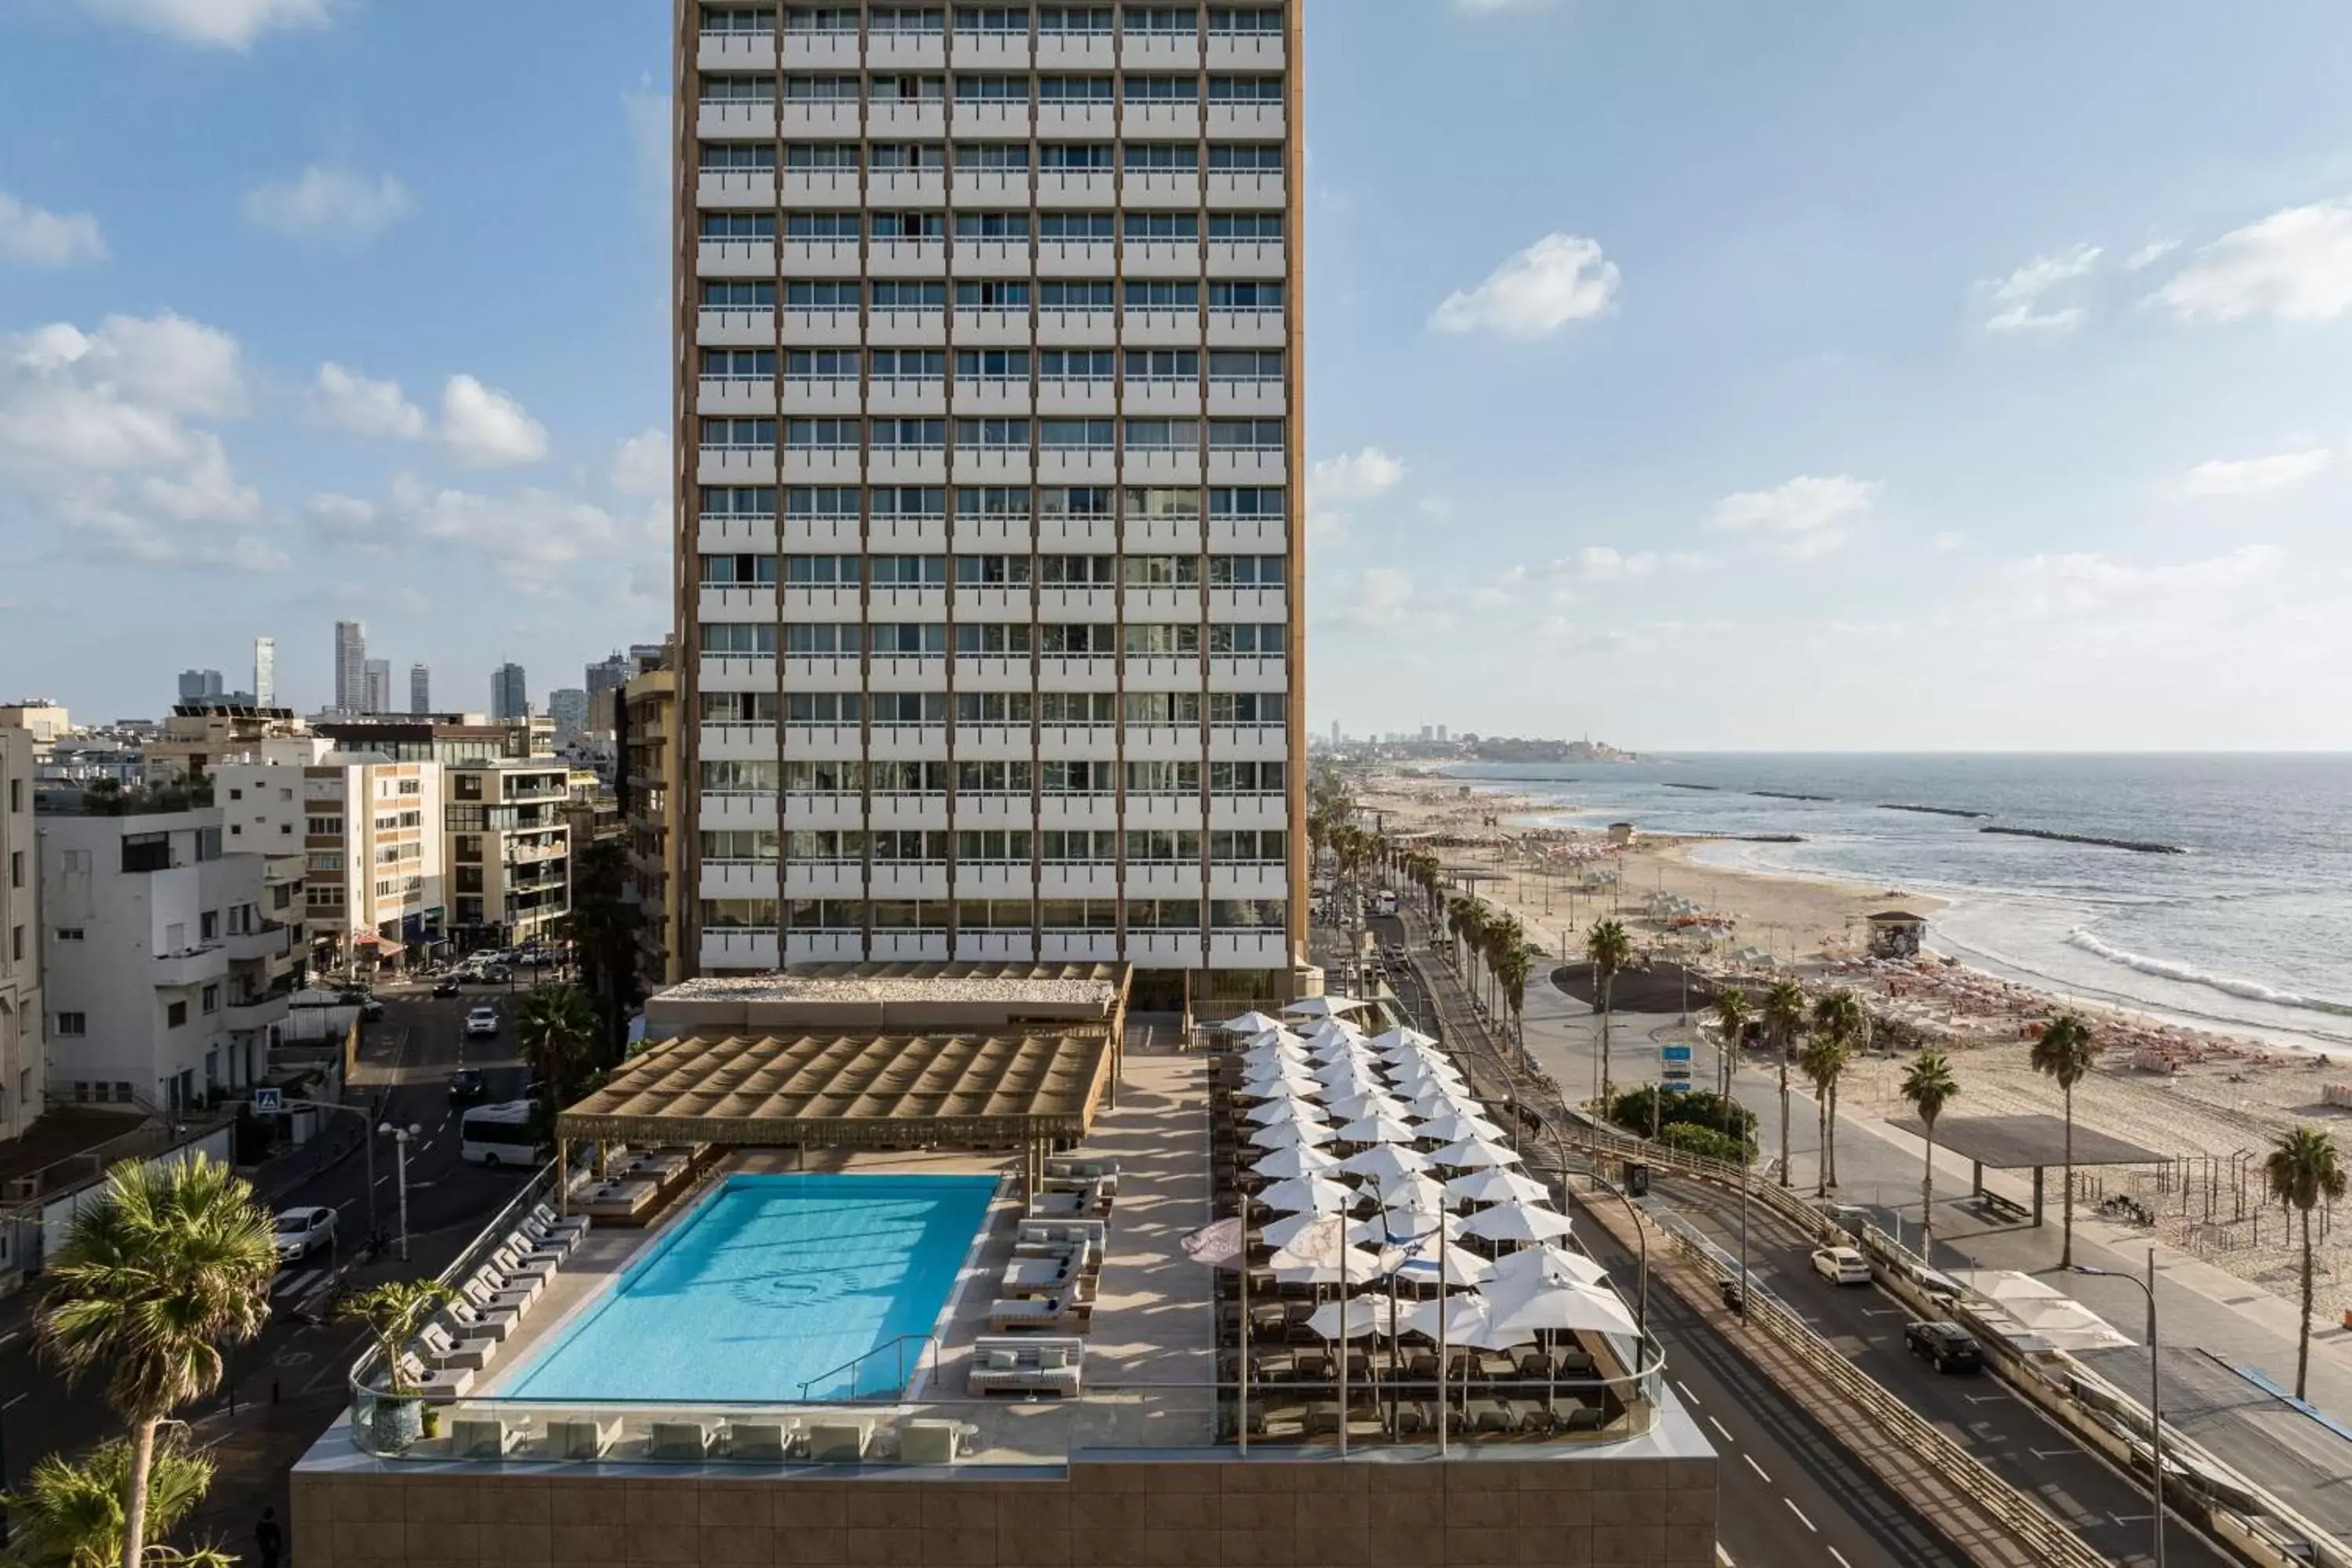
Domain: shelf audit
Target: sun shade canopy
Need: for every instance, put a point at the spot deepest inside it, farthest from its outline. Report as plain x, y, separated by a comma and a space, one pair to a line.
851, 1090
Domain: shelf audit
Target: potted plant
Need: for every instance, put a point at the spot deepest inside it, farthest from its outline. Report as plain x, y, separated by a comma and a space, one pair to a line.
394, 1313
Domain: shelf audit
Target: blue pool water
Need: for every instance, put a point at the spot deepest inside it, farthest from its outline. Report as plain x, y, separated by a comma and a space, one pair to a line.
771, 1281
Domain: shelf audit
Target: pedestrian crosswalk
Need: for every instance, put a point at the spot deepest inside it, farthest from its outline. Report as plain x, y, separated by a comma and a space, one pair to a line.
294, 1287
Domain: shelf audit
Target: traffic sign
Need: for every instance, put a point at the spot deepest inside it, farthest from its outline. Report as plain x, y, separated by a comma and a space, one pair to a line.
1674, 1053
269, 1101
1673, 1087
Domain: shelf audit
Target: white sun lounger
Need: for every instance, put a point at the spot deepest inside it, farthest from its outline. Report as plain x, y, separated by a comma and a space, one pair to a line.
482, 1437
678, 1440
441, 1349
839, 1442
582, 1438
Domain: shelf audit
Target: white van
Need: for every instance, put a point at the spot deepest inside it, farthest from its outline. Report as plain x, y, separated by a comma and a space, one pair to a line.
496, 1135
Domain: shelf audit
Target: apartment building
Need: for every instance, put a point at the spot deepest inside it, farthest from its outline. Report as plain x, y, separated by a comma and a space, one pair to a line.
646, 783
168, 954
197, 736
989, 515
23, 1022
510, 851
370, 829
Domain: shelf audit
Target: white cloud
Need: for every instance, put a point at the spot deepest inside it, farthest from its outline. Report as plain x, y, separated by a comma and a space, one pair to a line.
334, 206
1949, 540
96, 434
2083, 583
486, 428
345, 400
641, 464
1377, 597
1363, 475
2019, 295
531, 536
39, 238
2149, 255
2251, 476
2292, 265
341, 516
217, 24
1558, 279
1810, 515
647, 108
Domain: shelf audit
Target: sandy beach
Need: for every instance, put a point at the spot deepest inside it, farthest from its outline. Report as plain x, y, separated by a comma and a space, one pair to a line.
2178, 1092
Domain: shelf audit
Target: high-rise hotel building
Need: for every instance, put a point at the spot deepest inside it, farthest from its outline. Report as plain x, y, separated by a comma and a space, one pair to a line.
990, 529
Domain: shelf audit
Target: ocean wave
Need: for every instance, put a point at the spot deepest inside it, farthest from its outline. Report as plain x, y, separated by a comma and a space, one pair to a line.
2229, 985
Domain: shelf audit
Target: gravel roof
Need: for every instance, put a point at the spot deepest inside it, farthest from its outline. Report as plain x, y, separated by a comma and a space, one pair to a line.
1067, 984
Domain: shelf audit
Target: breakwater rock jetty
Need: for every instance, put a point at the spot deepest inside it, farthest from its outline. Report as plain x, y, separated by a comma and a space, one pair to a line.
2136, 845
1938, 811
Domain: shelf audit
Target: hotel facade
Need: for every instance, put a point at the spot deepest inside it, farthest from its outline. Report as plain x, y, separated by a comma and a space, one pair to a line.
990, 542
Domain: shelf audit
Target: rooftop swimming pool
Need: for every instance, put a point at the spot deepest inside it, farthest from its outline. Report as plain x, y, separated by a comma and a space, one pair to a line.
771, 1283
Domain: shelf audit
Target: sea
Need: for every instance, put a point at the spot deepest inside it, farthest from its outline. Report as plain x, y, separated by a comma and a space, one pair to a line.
2248, 933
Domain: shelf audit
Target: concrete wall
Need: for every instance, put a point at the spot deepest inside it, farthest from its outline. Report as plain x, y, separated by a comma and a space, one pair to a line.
1580, 1512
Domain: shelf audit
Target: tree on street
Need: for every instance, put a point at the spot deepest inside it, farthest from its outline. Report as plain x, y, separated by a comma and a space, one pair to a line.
2303, 1171
2066, 1052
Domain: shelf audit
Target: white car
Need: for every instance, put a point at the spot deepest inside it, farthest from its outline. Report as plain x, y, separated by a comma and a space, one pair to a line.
482, 1021
303, 1231
1842, 1266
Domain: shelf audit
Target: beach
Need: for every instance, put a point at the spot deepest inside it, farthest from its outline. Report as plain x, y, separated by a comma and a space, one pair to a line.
2209, 1097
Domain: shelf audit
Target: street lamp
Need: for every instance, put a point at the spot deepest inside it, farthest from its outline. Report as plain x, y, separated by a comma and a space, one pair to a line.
2155, 1386
400, 1137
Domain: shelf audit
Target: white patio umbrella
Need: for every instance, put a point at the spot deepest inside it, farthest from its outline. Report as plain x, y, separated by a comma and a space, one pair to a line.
1280, 1084
1321, 1007
1291, 1135
1357, 1267
1402, 1037
1517, 1222
1415, 1192
1418, 1263
1366, 1315
1377, 1130
1365, 1102
1530, 1305
1421, 1075
1250, 1023
1275, 1046
1453, 1127
1330, 1031
1549, 1265
1400, 1227
1494, 1185
1309, 1232
1473, 1155
1275, 1110
1384, 1162
1301, 1195
1297, 1159
1466, 1322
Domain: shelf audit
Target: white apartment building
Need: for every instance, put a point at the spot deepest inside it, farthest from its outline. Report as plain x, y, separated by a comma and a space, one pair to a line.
168, 955
989, 476
375, 887
509, 852
22, 1017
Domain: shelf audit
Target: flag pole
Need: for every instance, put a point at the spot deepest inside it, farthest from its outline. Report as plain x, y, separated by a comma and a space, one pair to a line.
1240, 1424
1343, 1333
1444, 1410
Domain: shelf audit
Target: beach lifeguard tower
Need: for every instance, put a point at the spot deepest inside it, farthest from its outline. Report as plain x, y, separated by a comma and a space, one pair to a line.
1896, 933
1622, 833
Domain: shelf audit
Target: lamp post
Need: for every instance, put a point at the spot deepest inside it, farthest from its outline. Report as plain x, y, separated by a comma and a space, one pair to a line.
400, 1137
1642, 1237
2155, 1387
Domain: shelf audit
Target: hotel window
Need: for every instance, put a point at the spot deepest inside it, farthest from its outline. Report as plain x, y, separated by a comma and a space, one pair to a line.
910, 708
812, 227
908, 571
992, 708
908, 847
1245, 90
1078, 778
819, 89
1163, 778
992, 294
992, 364
1178, 708
1248, 847
1246, 158
992, 18
1157, 639
739, 364
1075, 434
1181, 228
993, 848
908, 157
992, 500
995, 434
823, 571
1161, 570
1247, 571
821, 19
1064, 296
836, 295
818, 775
1155, 294
905, 89
738, 89
815, 157
1078, 914
907, 639
991, 571
907, 435
908, 19
910, 226
1086, 228
738, 157
1245, 226
1246, 638
739, 914
740, 845
1161, 19
1246, 501
739, 501
739, 571
1163, 88
1093, 20
824, 707
1163, 915
1078, 848
1162, 847
1075, 364
826, 915
991, 90
909, 502
742, 435
1162, 158
1245, 778
738, 296
1244, 19
1079, 707
1082, 639
1245, 296
811, 365
1077, 500
1247, 707
909, 914
898, 296
993, 640
991, 778
1076, 158
1176, 434
906, 364
716, 19
992, 914
1248, 914
1074, 89
991, 225
739, 639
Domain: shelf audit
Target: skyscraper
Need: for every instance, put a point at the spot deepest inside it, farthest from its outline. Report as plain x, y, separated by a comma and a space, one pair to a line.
1029, 316
200, 685
568, 706
377, 683
420, 688
510, 697
609, 674
350, 666
265, 672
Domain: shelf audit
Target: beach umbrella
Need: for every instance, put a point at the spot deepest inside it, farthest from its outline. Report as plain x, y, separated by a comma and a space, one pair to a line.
1473, 1155
1321, 1007
1402, 1226
1453, 1127
1282, 1070
1377, 1130
1308, 1233
1250, 1023
1517, 1222
1297, 1159
1461, 1320
1366, 1102
1402, 1037
1330, 1031
1366, 1315
1301, 1195
1279, 1085
1419, 1191
1421, 1075
1495, 1185
1418, 1263
1291, 1135
1275, 1110
1351, 1265
1382, 1162
1530, 1305
1551, 1265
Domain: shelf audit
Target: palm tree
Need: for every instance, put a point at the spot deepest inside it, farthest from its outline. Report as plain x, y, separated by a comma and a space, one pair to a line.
1821, 1060
1929, 1086
70, 1514
1731, 1013
2303, 1172
395, 1312
157, 1273
1608, 949
556, 1029
1784, 1014
2066, 1051
1840, 1018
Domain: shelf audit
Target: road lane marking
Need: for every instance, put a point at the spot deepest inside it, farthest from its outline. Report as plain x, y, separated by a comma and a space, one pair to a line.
1842, 1562
1680, 1386
1758, 1469
1800, 1515
2054, 1453
1726, 1436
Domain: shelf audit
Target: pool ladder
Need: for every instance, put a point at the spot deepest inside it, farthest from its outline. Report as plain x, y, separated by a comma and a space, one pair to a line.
896, 1350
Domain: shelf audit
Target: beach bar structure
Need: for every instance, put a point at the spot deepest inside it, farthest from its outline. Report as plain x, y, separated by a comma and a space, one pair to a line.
1896, 933
2024, 1143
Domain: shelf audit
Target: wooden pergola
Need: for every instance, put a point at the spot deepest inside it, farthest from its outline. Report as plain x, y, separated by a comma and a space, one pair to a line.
1030, 1089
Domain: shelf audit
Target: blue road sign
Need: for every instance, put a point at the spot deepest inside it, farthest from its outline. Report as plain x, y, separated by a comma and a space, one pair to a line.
269, 1101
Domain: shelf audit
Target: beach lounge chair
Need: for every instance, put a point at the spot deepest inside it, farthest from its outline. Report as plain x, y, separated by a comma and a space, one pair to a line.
528, 1256
925, 1442
558, 1224
1088, 1233
1035, 1276
1024, 1366
559, 1243
839, 1442
765, 1442
580, 1438
438, 1384
677, 1440
482, 1437
508, 1288
473, 1321
1008, 1313
441, 1349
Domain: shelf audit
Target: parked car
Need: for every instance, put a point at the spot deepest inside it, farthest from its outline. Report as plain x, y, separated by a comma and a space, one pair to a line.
1948, 1346
496, 974
449, 986
482, 1021
303, 1231
465, 1084
1842, 1266
370, 1010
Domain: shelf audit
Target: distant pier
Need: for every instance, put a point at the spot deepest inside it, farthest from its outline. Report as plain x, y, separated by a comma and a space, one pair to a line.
2136, 845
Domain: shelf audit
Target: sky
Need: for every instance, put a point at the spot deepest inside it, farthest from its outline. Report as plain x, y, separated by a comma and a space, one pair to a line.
1686, 373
